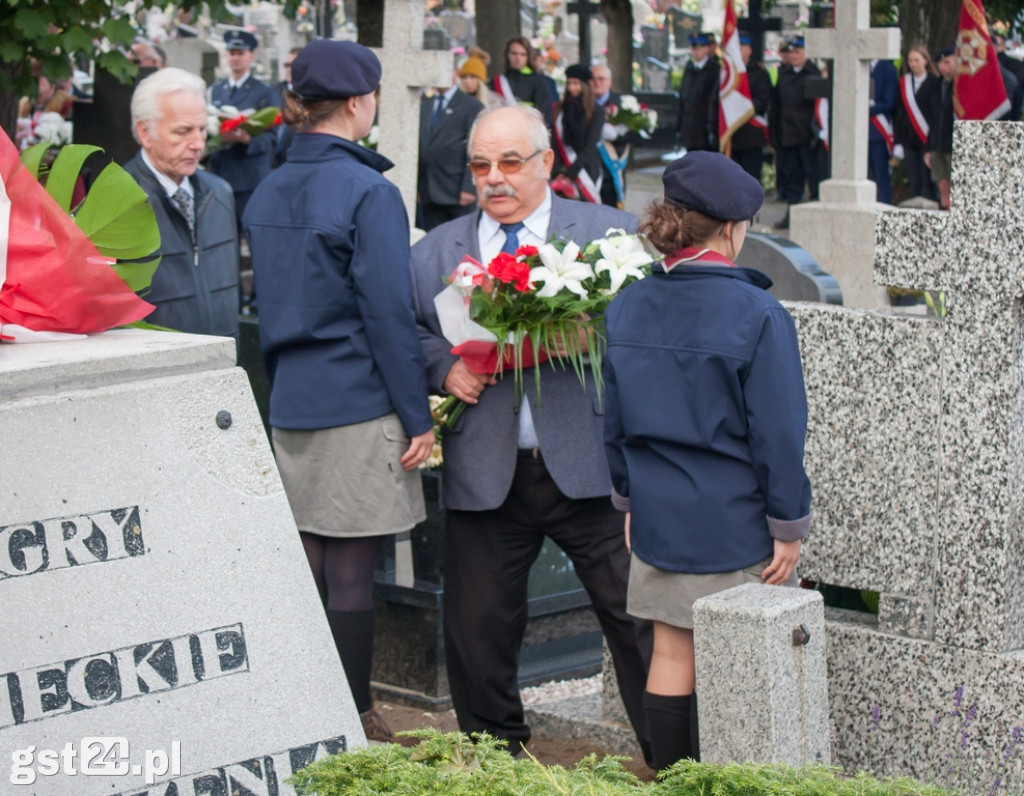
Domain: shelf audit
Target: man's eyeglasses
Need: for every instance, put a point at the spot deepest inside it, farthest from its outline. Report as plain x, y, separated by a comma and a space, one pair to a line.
509, 165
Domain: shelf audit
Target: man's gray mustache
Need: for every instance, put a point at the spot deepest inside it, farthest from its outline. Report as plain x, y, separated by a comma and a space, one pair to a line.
498, 190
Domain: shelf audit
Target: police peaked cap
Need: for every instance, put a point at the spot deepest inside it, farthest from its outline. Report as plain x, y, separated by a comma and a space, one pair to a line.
702, 39
797, 41
713, 184
240, 40
326, 70
744, 38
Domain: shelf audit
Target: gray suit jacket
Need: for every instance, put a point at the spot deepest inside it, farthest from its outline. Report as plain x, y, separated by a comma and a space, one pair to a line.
480, 451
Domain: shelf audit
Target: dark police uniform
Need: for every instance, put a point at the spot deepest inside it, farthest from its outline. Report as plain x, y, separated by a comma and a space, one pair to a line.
244, 165
698, 106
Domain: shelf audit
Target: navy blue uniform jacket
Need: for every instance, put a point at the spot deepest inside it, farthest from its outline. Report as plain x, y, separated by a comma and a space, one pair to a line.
330, 246
244, 165
705, 418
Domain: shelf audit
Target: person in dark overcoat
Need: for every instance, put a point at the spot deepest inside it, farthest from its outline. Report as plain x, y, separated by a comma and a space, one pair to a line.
520, 84
791, 130
243, 160
445, 186
749, 141
576, 135
697, 125
917, 111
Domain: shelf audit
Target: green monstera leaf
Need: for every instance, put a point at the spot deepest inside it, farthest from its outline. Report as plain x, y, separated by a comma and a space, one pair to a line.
115, 215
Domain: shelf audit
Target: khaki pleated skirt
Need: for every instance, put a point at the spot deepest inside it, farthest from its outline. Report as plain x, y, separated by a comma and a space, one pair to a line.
348, 480
668, 597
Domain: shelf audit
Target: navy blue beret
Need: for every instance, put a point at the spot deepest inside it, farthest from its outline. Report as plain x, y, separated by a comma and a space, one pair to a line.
579, 72
744, 38
714, 185
702, 39
326, 70
945, 52
240, 40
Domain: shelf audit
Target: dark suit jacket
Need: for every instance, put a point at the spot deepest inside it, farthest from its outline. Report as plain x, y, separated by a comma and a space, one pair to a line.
442, 171
480, 451
244, 165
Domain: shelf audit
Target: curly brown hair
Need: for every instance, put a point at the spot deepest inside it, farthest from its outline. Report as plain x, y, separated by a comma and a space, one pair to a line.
670, 227
308, 114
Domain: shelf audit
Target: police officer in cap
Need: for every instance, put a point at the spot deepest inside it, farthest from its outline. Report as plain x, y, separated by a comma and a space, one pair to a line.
243, 160
697, 126
705, 418
349, 411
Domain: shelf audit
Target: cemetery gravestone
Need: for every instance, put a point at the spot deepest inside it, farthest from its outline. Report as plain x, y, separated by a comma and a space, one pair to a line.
156, 597
838, 230
683, 24
408, 69
795, 275
915, 445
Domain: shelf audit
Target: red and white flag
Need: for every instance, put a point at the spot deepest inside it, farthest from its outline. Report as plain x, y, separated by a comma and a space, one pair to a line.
978, 92
735, 107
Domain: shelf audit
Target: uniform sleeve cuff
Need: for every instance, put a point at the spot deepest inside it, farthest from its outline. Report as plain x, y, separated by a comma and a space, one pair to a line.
789, 530
620, 502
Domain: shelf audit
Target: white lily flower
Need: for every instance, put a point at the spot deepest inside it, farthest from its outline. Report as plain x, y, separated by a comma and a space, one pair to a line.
561, 269
622, 256
629, 103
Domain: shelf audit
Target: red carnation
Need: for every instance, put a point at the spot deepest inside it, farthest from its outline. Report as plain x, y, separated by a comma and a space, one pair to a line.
526, 251
500, 265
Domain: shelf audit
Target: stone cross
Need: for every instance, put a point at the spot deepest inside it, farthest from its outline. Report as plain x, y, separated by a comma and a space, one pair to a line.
973, 254
851, 45
757, 25
407, 69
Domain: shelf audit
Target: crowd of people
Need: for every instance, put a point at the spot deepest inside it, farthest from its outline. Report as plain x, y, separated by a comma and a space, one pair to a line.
353, 348
911, 117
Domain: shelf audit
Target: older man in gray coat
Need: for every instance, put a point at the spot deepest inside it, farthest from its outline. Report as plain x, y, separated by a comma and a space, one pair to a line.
513, 478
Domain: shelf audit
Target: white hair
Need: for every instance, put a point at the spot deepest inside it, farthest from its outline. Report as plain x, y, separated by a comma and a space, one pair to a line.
602, 66
537, 130
146, 99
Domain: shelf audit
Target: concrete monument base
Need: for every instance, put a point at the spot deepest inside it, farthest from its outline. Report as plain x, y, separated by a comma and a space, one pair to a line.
840, 231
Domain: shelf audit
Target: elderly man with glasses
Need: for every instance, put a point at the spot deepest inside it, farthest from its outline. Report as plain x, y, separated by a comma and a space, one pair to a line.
513, 478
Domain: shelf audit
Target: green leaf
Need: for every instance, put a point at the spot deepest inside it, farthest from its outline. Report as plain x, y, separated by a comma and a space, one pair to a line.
138, 276
76, 40
117, 216
118, 29
33, 156
31, 23
64, 172
119, 66
11, 51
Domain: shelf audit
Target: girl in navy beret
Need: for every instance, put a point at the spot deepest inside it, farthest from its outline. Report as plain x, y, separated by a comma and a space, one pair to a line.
705, 419
349, 410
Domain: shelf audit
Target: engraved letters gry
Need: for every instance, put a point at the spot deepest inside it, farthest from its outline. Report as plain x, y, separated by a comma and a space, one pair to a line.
28, 548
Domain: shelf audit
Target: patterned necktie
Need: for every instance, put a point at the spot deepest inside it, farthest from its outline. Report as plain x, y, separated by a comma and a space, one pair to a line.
511, 237
183, 201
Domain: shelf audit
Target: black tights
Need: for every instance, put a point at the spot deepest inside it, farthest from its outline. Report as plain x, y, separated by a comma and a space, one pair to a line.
343, 571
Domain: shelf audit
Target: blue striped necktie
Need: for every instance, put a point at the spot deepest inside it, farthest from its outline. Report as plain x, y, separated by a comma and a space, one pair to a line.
511, 237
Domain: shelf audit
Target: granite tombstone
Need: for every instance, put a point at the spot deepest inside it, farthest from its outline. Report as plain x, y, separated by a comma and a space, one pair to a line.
160, 622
